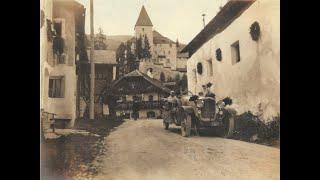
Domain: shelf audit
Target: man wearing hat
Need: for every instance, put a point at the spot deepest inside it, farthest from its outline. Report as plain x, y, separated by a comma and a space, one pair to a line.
172, 99
208, 92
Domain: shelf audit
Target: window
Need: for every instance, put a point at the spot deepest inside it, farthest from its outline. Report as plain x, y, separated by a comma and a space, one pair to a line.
218, 54
60, 58
137, 98
56, 87
168, 52
199, 68
142, 29
235, 52
210, 68
150, 98
58, 28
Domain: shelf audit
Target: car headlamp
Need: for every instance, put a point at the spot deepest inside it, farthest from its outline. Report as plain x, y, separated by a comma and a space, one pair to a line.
200, 104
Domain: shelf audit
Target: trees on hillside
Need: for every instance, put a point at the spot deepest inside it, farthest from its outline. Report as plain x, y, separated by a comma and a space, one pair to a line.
100, 41
120, 57
128, 59
162, 77
146, 49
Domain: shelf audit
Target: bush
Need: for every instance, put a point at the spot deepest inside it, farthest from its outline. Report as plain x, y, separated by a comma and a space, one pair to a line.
248, 126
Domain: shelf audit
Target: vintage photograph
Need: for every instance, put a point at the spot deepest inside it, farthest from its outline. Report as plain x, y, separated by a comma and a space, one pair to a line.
150, 89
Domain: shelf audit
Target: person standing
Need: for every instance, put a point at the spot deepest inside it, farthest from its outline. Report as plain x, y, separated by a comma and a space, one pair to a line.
135, 109
172, 100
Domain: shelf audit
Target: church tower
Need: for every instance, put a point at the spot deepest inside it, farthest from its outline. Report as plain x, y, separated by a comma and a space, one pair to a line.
144, 26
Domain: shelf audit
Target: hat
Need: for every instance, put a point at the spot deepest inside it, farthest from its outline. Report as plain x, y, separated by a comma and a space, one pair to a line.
209, 84
204, 86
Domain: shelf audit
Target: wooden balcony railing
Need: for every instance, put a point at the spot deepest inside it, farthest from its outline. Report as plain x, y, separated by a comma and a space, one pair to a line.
142, 105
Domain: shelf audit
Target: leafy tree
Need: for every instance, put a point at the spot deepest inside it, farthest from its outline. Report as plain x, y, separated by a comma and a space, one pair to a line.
139, 49
146, 49
177, 43
130, 58
120, 57
169, 79
99, 42
177, 78
162, 77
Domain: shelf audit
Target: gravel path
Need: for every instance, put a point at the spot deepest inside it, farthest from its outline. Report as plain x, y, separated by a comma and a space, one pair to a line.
142, 149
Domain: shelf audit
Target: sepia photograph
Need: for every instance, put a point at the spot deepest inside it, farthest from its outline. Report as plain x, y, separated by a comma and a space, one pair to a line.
159, 90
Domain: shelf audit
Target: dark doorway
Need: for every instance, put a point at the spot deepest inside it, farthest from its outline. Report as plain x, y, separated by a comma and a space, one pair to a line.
151, 114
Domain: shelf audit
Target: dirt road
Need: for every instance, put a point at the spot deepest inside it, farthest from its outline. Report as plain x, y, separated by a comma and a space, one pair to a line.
142, 149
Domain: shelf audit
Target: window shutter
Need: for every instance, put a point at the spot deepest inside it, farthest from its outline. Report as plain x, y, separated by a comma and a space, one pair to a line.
50, 87
62, 88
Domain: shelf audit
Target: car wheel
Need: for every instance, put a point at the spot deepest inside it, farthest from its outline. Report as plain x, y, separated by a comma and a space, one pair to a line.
186, 126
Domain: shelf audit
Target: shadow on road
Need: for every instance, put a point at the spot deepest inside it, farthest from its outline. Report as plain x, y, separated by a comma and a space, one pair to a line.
205, 132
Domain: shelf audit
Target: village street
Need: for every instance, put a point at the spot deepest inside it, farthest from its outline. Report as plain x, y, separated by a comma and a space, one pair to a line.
143, 149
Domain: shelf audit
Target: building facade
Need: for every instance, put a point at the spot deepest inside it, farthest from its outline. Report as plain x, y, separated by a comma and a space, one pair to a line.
105, 73
142, 88
239, 52
58, 56
165, 53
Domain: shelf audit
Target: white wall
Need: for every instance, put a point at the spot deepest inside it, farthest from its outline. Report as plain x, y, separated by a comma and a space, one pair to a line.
256, 78
64, 107
166, 50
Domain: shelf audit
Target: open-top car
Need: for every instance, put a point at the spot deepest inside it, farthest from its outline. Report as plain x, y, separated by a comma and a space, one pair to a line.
195, 113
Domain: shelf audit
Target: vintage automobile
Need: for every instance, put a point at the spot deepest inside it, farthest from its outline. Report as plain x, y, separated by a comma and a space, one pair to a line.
195, 113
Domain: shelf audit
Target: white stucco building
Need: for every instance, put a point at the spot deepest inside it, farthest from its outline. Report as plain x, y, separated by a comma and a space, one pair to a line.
241, 61
58, 57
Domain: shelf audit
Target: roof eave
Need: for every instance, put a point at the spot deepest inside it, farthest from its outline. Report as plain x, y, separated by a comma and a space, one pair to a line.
213, 27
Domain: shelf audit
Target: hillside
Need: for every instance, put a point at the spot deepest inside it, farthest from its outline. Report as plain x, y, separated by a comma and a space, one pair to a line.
113, 42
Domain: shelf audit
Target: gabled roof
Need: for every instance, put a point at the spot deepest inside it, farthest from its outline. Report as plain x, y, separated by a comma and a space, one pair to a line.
137, 73
232, 10
160, 39
143, 19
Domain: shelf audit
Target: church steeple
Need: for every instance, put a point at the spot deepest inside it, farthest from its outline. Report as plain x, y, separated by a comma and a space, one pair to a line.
143, 19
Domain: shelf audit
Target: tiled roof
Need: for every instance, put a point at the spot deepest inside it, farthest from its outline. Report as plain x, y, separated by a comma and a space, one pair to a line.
160, 39
137, 73
143, 19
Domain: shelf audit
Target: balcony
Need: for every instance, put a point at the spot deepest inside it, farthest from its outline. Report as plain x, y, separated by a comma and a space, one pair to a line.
142, 105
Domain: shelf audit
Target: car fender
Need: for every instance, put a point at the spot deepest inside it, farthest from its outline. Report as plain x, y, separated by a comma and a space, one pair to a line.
188, 109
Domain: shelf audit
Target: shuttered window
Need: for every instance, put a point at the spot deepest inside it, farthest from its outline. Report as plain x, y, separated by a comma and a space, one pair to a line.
56, 87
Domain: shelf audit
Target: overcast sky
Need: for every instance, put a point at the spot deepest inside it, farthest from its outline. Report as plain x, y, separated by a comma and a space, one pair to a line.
180, 19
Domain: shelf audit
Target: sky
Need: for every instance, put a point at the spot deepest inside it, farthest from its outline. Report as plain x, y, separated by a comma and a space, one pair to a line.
175, 19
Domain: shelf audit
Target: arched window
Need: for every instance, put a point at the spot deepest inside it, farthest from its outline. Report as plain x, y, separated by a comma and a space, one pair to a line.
199, 68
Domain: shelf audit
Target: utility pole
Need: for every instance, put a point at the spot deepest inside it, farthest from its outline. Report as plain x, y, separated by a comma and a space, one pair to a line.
92, 72
203, 18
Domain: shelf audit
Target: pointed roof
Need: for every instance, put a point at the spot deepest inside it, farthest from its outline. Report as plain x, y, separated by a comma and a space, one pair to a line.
143, 19
160, 39
137, 73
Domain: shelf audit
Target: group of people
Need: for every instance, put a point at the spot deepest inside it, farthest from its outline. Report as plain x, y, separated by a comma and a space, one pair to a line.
207, 91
